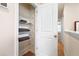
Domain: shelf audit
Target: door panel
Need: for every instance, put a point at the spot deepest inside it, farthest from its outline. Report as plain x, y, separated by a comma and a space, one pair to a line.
46, 29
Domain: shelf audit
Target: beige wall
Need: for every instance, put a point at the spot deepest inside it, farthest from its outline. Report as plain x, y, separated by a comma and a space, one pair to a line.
71, 14
7, 29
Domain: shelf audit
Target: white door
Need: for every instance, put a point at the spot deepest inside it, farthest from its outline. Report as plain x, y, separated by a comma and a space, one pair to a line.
46, 30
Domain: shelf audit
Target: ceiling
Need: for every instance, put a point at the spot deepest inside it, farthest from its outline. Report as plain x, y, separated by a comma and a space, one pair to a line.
60, 10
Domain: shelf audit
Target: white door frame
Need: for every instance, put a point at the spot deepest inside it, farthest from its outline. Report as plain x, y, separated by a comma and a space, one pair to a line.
16, 30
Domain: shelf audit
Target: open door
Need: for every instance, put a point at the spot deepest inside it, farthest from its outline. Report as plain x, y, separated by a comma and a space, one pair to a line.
46, 30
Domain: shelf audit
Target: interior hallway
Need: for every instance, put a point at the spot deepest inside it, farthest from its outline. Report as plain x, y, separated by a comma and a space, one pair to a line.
60, 47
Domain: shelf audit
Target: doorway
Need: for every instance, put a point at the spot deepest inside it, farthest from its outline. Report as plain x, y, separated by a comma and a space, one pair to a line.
60, 30
26, 29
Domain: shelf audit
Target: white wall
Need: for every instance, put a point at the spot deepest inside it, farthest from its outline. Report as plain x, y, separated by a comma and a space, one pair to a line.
7, 30
71, 14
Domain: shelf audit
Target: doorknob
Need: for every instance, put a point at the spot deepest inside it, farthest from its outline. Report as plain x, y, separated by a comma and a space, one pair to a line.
55, 36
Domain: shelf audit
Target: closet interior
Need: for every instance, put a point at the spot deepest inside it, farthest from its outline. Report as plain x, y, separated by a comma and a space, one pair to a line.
26, 29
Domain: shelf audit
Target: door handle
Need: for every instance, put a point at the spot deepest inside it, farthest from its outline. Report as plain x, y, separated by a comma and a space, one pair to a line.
55, 36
